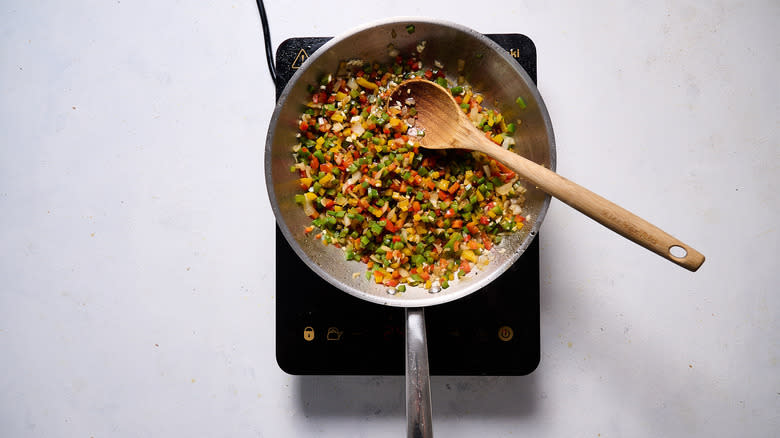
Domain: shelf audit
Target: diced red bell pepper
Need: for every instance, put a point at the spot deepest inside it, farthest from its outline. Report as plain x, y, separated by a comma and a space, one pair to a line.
326, 167
320, 97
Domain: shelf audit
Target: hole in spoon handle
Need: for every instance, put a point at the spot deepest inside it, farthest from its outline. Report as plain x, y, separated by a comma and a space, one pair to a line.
678, 251
685, 256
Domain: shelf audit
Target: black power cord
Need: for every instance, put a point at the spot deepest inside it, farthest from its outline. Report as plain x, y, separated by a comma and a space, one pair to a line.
267, 39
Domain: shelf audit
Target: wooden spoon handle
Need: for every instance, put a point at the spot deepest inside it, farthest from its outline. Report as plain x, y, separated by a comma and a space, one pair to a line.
607, 213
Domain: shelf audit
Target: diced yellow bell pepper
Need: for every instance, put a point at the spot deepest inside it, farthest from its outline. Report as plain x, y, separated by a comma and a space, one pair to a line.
366, 84
306, 182
338, 116
469, 255
320, 141
443, 184
310, 196
328, 177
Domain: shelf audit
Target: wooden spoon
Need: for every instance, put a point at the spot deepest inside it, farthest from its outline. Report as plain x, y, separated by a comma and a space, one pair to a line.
447, 127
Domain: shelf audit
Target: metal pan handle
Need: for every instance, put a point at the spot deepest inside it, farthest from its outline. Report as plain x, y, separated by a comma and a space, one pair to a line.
418, 377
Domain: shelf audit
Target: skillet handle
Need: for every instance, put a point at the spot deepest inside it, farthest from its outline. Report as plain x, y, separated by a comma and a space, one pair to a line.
418, 378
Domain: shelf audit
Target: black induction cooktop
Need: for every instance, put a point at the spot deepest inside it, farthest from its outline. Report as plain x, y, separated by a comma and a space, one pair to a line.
321, 330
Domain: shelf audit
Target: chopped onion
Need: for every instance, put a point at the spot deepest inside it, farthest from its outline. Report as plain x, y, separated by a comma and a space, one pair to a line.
351, 181
392, 216
508, 142
355, 63
504, 189
308, 207
392, 51
357, 128
434, 199
475, 116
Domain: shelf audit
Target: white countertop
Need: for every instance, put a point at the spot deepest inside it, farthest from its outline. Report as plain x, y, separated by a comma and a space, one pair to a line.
137, 259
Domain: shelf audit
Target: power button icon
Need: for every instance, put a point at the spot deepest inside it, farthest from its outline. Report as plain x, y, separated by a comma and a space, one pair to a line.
308, 333
505, 333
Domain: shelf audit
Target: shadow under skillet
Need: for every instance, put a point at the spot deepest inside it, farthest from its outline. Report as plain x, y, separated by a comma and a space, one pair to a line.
452, 396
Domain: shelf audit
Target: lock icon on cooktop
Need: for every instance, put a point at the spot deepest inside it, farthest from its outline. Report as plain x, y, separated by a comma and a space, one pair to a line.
334, 334
308, 333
